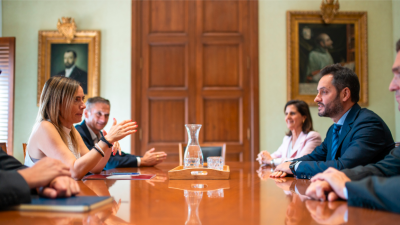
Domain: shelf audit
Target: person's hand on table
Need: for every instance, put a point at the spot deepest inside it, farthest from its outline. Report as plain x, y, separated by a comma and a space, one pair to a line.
60, 187
152, 158
327, 212
336, 180
282, 170
264, 158
44, 171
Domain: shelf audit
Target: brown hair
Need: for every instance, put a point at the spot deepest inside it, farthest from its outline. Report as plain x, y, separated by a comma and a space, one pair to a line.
343, 77
304, 110
58, 91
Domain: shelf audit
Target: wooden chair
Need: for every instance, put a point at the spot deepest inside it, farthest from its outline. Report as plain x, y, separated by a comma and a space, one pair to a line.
218, 149
24, 148
3, 146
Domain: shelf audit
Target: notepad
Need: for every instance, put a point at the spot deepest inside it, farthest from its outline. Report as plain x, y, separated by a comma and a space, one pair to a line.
119, 177
72, 204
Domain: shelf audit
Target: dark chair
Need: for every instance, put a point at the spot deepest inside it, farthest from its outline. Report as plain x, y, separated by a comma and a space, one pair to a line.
218, 149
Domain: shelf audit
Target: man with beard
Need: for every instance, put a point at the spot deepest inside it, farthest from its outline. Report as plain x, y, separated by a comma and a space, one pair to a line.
372, 186
357, 137
72, 71
319, 58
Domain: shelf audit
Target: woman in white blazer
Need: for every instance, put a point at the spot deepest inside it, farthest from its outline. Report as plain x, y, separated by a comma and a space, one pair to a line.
300, 140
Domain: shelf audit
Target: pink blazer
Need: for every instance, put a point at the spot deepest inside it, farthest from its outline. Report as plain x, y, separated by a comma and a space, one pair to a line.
305, 144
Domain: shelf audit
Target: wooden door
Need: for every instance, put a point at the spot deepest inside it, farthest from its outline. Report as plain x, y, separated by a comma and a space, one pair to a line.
194, 67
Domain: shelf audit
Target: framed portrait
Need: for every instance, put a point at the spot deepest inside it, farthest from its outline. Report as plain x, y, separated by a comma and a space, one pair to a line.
78, 59
312, 45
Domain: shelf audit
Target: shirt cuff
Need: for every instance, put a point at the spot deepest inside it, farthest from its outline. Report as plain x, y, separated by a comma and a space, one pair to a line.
297, 165
345, 193
138, 161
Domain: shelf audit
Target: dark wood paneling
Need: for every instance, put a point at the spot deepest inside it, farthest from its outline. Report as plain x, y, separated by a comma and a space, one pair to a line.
167, 66
204, 59
221, 65
167, 16
222, 120
167, 115
221, 16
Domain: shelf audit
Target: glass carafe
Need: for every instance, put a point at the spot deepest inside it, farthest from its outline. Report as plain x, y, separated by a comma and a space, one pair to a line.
193, 154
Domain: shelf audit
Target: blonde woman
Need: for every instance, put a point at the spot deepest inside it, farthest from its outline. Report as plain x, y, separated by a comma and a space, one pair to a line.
300, 140
54, 136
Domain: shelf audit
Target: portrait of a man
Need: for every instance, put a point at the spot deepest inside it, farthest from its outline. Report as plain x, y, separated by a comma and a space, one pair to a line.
321, 45
70, 60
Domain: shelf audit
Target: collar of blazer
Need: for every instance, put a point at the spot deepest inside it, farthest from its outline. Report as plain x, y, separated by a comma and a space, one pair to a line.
87, 133
348, 123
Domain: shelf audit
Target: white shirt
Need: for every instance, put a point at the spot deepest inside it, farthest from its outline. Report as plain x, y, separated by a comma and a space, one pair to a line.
68, 71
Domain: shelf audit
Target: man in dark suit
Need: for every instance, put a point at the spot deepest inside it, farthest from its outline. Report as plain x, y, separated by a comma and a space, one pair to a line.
373, 186
72, 71
96, 117
357, 137
50, 176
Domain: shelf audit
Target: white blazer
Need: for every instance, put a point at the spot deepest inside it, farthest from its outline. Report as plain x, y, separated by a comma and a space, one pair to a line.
305, 144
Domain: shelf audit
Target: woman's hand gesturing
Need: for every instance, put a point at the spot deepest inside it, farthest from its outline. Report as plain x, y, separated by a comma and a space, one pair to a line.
120, 130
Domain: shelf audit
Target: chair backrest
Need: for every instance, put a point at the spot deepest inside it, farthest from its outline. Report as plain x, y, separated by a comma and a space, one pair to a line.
218, 149
3, 146
24, 148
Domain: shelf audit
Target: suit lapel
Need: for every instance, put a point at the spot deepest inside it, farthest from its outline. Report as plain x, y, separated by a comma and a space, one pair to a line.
87, 133
348, 123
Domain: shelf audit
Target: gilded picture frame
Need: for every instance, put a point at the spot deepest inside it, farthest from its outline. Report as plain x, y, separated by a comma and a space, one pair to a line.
312, 44
84, 46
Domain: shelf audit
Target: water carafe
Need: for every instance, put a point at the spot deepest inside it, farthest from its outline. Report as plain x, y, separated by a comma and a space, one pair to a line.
193, 154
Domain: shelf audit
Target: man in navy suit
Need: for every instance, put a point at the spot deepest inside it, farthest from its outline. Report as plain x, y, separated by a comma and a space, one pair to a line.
96, 117
72, 71
373, 186
357, 137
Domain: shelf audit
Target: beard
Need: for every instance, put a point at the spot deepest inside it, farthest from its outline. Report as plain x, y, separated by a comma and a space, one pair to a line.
68, 65
332, 109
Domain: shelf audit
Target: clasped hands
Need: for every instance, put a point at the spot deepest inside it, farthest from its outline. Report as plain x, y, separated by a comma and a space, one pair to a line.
51, 177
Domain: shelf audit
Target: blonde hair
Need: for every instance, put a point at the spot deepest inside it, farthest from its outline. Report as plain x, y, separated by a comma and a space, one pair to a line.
58, 91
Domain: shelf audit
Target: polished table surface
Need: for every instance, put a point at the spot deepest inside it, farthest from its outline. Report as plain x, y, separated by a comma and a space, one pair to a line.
248, 197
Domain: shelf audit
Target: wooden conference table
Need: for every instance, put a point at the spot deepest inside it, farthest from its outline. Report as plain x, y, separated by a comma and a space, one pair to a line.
248, 197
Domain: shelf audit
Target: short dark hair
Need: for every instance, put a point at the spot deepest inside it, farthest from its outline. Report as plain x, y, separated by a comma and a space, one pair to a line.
94, 100
343, 77
73, 52
398, 46
304, 110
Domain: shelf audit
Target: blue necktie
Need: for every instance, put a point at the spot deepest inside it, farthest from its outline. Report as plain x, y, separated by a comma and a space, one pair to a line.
335, 139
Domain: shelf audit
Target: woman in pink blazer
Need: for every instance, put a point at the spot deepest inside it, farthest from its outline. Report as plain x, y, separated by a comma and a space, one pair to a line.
300, 140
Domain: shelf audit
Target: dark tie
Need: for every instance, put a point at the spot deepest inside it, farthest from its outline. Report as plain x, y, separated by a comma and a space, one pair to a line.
335, 139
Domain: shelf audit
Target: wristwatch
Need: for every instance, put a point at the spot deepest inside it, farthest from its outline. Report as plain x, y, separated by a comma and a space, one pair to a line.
291, 167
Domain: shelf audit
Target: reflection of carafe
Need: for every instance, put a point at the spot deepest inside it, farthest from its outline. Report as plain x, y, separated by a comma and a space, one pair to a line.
193, 154
193, 199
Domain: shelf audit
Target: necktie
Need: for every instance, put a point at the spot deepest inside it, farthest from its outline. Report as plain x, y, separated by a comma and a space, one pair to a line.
335, 140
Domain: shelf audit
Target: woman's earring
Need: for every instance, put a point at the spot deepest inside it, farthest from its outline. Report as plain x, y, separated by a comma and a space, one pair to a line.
304, 120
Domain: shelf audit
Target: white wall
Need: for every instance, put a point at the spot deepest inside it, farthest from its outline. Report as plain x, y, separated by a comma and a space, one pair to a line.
272, 27
24, 18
